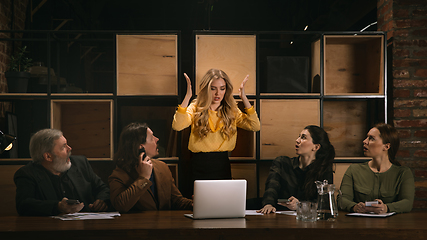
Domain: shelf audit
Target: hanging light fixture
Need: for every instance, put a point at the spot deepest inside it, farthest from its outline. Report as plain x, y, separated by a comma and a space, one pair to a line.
6, 142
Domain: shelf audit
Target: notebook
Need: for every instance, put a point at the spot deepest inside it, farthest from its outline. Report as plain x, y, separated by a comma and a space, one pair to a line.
219, 199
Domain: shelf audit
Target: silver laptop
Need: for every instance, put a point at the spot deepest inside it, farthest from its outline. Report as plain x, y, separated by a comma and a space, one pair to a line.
219, 199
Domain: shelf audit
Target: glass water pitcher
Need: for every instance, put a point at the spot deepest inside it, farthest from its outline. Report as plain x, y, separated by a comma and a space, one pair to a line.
326, 204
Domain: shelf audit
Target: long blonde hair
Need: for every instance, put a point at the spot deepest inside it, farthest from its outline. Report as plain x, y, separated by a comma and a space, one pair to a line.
227, 111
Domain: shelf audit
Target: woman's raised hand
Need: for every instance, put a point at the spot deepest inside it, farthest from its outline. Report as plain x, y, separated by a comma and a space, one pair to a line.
189, 93
242, 87
242, 93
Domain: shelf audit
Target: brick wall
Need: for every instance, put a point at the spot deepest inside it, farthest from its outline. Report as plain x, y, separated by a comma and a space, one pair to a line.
405, 22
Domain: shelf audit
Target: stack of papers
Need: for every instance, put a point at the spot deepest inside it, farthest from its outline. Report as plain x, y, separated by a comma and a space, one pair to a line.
88, 215
370, 214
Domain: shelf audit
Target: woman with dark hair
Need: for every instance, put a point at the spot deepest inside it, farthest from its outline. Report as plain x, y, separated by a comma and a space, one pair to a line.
139, 181
294, 178
381, 179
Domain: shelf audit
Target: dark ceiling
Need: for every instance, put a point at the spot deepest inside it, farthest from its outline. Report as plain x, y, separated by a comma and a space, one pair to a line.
188, 15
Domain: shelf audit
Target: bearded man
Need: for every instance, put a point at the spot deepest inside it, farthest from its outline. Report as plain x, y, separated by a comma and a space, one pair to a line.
50, 184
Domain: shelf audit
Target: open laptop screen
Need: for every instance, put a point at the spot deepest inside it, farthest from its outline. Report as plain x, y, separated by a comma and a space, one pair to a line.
219, 199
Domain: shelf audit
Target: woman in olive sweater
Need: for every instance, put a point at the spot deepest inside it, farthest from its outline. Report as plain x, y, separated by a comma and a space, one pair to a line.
381, 179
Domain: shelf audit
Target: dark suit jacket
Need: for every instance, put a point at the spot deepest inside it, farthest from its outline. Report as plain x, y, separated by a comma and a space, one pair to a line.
132, 192
35, 194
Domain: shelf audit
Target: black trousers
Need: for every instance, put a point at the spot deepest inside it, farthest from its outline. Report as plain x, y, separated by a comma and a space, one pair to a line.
211, 166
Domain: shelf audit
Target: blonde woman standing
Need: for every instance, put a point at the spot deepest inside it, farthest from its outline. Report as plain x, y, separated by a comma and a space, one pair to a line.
214, 118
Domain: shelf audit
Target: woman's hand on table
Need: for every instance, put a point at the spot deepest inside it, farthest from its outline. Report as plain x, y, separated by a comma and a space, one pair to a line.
267, 209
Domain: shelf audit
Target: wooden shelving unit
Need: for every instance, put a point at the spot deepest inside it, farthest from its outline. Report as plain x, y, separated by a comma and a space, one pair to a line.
87, 125
336, 80
353, 65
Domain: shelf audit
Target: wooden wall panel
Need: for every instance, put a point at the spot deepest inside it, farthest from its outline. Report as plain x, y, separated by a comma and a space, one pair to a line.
246, 171
8, 190
345, 122
245, 144
234, 54
353, 65
281, 123
147, 65
339, 169
87, 125
173, 167
375, 65
263, 171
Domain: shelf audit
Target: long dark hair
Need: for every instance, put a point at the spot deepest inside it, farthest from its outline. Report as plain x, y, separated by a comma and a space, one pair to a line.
323, 162
390, 135
132, 136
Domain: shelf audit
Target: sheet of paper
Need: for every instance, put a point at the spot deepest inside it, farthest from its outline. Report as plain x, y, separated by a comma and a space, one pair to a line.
87, 216
254, 212
370, 214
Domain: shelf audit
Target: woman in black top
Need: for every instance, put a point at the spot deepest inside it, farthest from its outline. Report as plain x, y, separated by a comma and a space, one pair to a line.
294, 178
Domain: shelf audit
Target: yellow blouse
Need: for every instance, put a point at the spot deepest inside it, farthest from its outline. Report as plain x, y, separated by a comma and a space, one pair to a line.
214, 141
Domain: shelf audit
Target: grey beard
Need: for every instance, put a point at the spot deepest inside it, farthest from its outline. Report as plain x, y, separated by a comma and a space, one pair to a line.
61, 166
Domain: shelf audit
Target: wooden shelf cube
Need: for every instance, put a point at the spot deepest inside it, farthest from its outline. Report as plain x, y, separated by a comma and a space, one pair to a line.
147, 65
234, 54
282, 120
345, 123
353, 64
87, 125
287, 75
285, 62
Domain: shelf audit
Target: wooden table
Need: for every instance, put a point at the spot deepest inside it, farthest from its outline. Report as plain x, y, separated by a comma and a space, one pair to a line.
173, 225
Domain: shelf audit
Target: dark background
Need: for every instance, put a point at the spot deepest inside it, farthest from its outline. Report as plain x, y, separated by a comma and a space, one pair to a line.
188, 15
